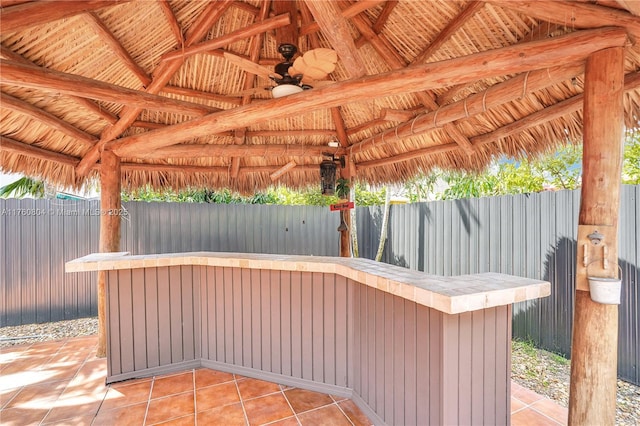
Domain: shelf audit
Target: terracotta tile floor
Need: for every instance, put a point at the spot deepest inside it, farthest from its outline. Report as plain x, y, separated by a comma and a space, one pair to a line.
62, 383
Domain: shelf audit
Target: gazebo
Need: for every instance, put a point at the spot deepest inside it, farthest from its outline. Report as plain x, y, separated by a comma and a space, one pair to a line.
244, 94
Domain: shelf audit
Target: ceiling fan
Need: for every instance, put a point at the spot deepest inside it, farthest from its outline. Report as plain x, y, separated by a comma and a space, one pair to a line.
291, 77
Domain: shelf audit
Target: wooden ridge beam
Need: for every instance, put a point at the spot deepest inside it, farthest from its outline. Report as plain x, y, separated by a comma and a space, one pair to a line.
574, 14
508, 60
23, 16
32, 111
254, 150
388, 7
16, 74
116, 47
234, 36
478, 103
161, 76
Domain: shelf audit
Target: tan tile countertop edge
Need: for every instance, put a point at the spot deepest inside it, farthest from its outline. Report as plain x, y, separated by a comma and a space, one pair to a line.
452, 295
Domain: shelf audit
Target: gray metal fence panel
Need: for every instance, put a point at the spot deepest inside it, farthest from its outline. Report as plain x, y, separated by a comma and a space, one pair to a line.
38, 236
531, 235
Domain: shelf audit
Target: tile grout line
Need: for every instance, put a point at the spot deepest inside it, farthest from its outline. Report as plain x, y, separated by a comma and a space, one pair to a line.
342, 411
295, 415
244, 411
146, 411
545, 415
195, 402
70, 380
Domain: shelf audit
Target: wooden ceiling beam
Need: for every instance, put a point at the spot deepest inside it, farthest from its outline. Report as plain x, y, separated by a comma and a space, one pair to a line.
15, 147
539, 32
382, 19
187, 169
495, 96
561, 109
172, 21
116, 47
22, 16
395, 61
568, 106
287, 33
201, 94
508, 60
336, 30
161, 76
209, 150
574, 14
55, 81
15, 104
234, 36
5, 53
447, 32
349, 12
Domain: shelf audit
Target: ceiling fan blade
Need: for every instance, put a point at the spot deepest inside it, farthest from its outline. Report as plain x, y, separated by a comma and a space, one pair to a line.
315, 64
250, 67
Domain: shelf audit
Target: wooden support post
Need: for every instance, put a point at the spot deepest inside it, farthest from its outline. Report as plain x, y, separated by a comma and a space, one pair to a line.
345, 215
592, 397
110, 208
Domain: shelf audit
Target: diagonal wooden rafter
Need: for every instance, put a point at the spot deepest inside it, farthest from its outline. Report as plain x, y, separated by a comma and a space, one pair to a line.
23, 16
574, 14
121, 53
15, 147
8, 101
568, 106
5, 53
391, 57
475, 104
41, 78
172, 21
447, 32
163, 73
508, 60
335, 28
349, 12
201, 94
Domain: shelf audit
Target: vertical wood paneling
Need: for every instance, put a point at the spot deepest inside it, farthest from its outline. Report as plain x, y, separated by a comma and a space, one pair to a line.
247, 312
296, 324
436, 377
423, 367
219, 300
502, 349
187, 296
237, 317
164, 315
210, 310
175, 312
464, 368
275, 320
389, 351
265, 323
377, 319
410, 368
329, 330
306, 285
256, 320
398, 319
139, 319
113, 325
450, 369
317, 325
490, 365
477, 367
342, 327
355, 335
151, 320
228, 315
197, 314
125, 321
286, 308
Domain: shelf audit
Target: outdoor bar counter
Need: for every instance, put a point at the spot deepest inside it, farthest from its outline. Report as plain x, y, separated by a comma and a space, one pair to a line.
407, 347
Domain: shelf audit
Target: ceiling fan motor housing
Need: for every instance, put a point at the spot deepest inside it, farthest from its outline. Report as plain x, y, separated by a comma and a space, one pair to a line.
288, 51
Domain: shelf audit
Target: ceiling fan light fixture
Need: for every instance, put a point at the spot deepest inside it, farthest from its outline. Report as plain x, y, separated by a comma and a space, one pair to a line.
285, 90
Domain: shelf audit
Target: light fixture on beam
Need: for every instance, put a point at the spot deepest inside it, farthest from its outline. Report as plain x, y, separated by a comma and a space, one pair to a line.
282, 170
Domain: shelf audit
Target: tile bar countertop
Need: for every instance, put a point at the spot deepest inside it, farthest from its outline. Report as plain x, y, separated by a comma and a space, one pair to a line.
452, 295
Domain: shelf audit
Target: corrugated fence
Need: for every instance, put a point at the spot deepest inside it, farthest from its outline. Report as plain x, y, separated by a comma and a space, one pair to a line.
526, 235
38, 236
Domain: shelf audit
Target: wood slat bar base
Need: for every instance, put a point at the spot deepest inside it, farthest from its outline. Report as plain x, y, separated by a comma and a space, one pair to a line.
400, 361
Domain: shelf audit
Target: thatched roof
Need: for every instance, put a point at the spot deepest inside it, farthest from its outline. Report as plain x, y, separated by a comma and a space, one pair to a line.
417, 85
